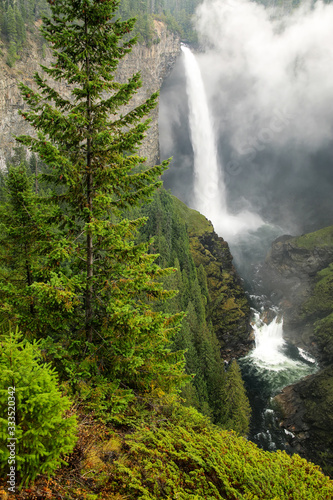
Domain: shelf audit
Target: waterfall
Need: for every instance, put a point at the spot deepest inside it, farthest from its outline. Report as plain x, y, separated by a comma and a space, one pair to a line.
209, 186
279, 362
269, 343
272, 365
209, 189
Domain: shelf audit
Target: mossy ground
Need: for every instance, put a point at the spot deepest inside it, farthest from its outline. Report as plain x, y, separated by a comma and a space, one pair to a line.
177, 454
196, 223
321, 238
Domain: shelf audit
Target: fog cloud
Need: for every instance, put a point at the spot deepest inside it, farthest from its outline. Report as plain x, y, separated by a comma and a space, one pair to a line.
271, 76
269, 80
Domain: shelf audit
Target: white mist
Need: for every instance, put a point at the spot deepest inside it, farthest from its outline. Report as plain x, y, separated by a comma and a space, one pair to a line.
209, 187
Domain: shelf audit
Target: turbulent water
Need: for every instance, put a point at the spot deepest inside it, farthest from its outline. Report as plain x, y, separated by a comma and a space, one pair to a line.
272, 365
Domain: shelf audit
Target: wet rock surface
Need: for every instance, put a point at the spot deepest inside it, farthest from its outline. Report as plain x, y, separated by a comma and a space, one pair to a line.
298, 273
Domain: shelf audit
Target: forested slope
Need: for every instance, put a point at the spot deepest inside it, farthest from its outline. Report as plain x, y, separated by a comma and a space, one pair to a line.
19, 18
112, 360
216, 326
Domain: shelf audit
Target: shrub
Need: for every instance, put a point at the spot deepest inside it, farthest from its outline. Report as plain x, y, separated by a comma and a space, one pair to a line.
42, 431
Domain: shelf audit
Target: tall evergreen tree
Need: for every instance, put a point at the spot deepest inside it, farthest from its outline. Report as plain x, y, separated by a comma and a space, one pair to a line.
89, 144
29, 251
237, 407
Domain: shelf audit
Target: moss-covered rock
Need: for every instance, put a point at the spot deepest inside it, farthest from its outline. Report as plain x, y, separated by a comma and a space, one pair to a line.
302, 269
228, 309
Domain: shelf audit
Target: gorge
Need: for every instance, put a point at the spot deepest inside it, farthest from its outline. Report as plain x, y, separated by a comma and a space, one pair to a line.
259, 184
241, 160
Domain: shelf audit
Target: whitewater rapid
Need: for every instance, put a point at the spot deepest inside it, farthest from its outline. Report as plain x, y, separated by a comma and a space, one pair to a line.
271, 350
274, 363
267, 369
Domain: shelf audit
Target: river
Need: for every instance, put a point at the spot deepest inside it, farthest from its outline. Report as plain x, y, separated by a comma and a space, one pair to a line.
273, 363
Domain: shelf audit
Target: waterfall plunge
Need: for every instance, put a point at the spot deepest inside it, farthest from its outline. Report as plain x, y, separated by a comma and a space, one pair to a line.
271, 351
209, 187
269, 344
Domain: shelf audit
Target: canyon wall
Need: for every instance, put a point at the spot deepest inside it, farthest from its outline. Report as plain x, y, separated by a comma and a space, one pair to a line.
301, 270
154, 62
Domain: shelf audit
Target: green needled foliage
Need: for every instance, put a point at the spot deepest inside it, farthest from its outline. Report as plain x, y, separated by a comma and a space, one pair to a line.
30, 396
182, 456
238, 407
30, 246
89, 143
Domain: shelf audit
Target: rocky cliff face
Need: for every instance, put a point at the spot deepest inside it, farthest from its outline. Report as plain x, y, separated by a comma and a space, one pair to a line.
229, 310
154, 62
289, 273
307, 415
301, 271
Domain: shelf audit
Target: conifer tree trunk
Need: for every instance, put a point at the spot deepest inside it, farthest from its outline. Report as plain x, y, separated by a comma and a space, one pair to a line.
89, 146
89, 254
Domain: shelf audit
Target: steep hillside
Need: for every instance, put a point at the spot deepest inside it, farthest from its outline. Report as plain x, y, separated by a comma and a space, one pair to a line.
216, 327
227, 306
301, 269
176, 453
228, 309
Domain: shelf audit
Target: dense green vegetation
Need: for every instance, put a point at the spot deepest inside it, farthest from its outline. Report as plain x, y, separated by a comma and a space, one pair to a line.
79, 278
177, 453
19, 18
176, 14
36, 415
187, 458
213, 390
75, 273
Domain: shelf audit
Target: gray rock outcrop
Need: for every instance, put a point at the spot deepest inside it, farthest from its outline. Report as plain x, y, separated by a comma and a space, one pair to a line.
154, 62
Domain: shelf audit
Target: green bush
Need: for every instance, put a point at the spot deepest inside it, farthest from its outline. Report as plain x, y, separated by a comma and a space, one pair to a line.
185, 457
42, 431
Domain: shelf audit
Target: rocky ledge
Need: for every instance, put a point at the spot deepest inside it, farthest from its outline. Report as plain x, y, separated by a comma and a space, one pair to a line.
229, 310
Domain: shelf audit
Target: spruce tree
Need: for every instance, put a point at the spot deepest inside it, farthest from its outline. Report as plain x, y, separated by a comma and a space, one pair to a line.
89, 143
237, 407
32, 411
29, 251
